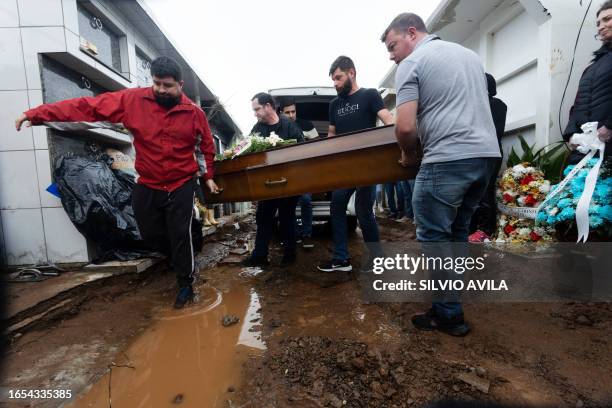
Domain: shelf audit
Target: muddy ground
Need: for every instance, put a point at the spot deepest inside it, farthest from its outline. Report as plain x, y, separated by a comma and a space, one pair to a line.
324, 346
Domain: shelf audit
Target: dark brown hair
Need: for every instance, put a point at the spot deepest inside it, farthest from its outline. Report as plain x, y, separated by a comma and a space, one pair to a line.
264, 98
606, 6
344, 63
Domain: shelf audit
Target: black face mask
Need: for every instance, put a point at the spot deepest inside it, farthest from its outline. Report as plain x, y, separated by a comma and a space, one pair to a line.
167, 101
346, 89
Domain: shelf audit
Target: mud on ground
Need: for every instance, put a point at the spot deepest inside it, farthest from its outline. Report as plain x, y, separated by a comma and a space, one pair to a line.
326, 348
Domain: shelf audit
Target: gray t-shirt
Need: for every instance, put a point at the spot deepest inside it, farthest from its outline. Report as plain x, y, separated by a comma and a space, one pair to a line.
454, 116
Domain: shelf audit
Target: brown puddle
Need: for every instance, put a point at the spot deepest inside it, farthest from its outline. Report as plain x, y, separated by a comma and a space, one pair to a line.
187, 357
334, 312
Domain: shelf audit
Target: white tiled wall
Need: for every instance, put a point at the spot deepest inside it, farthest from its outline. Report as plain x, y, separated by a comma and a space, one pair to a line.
43, 167
37, 40
18, 179
39, 133
25, 240
13, 104
73, 42
64, 242
40, 13
25, 173
12, 73
34, 228
71, 17
35, 97
9, 17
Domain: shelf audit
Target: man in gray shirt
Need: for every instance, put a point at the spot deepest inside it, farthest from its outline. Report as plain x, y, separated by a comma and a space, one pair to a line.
442, 101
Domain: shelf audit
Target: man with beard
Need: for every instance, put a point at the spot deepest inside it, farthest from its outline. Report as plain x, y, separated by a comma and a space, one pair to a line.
173, 144
268, 121
354, 109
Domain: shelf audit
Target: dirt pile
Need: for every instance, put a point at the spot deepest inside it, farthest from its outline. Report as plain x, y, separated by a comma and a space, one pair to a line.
346, 373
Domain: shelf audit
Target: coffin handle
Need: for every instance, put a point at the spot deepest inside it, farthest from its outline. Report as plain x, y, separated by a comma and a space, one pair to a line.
270, 183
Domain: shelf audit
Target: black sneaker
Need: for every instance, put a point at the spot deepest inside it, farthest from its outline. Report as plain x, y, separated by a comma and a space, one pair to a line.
429, 321
254, 261
184, 296
307, 243
335, 266
288, 259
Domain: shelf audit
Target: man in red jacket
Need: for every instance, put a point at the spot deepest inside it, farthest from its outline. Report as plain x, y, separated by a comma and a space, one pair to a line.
173, 144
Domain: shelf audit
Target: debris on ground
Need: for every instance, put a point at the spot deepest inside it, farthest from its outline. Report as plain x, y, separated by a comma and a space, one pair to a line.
229, 320
231, 260
475, 381
342, 372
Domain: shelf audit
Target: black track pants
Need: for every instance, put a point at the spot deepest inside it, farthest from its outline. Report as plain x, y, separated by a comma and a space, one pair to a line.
164, 221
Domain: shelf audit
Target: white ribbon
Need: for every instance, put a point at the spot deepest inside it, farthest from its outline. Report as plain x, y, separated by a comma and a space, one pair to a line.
589, 144
567, 178
518, 212
582, 209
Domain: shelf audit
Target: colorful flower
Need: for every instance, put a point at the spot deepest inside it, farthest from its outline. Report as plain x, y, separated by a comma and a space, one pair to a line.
523, 186
526, 179
562, 207
530, 201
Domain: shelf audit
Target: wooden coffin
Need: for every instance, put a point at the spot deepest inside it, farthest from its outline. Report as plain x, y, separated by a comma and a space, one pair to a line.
354, 159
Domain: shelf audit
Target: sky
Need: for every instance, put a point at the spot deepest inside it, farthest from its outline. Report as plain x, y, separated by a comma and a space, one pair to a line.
240, 48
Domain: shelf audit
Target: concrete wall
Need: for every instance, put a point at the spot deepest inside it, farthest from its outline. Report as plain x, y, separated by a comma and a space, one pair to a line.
508, 42
34, 227
26, 28
528, 46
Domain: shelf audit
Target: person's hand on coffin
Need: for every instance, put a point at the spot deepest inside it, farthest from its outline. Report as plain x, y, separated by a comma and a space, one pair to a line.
408, 159
212, 186
19, 122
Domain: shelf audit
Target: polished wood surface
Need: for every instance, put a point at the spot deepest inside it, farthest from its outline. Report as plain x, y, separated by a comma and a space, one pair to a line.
351, 160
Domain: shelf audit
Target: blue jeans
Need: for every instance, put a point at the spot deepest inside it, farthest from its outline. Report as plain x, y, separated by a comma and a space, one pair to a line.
305, 202
444, 199
364, 201
390, 189
408, 186
379, 194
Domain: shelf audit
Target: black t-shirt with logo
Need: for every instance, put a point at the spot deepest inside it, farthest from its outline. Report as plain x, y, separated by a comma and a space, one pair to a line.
355, 112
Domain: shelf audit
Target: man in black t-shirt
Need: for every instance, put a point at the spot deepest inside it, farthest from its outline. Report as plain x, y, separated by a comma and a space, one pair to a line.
269, 121
354, 109
304, 231
289, 109
351, 112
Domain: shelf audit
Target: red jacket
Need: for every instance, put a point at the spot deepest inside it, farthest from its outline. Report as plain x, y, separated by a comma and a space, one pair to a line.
167, 142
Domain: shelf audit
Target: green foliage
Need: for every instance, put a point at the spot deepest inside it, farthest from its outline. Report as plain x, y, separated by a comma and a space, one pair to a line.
550, 159
258, 145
